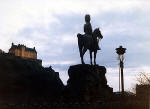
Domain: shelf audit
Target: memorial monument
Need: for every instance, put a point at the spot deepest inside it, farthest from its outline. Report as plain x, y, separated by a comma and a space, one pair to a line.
89, 40
87, 82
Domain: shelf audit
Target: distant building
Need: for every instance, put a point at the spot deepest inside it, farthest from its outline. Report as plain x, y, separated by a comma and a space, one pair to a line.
23, 51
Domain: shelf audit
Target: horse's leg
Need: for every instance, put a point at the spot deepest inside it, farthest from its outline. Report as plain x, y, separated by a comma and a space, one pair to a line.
83, 52
95, 52
90, 57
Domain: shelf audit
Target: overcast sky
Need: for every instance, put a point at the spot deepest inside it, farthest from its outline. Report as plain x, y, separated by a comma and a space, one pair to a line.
52, 25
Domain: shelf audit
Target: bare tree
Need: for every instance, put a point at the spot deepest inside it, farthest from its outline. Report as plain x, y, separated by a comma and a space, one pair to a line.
143, 79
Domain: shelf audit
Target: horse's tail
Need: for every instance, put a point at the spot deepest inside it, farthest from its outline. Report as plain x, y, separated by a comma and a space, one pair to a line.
79, 38
80, 42
79, 35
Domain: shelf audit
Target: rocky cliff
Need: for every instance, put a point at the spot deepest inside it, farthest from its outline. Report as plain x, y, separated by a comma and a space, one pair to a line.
27, 81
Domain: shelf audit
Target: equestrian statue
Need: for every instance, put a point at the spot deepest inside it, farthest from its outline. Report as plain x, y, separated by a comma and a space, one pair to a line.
89, 40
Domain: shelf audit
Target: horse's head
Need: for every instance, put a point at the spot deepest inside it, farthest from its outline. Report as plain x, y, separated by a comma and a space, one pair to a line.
97, 33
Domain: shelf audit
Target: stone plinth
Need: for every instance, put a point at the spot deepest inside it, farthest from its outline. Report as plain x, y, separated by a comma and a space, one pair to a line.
88, 83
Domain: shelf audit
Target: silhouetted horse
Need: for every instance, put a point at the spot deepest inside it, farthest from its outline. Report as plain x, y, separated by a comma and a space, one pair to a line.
91, 43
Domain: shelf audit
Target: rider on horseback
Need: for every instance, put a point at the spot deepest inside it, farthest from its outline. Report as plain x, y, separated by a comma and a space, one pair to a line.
88, 33
87, 26
89, 40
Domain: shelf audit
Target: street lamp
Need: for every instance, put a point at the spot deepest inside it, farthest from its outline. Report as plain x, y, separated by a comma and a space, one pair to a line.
120, 51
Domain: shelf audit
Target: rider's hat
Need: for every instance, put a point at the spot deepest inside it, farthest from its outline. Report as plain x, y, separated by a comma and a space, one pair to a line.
87, 18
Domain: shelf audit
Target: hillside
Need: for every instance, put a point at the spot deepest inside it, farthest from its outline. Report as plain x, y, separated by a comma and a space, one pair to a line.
26, 81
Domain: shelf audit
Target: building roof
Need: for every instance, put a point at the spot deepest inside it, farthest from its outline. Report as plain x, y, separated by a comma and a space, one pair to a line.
30, 49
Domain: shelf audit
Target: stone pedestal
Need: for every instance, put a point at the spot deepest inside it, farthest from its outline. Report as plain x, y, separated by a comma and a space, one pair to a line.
87, 83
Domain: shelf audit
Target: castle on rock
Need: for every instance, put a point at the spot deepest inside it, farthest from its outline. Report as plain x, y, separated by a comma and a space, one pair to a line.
23, 51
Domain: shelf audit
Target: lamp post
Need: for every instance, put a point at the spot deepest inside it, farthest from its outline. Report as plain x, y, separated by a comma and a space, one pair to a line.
120, 51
